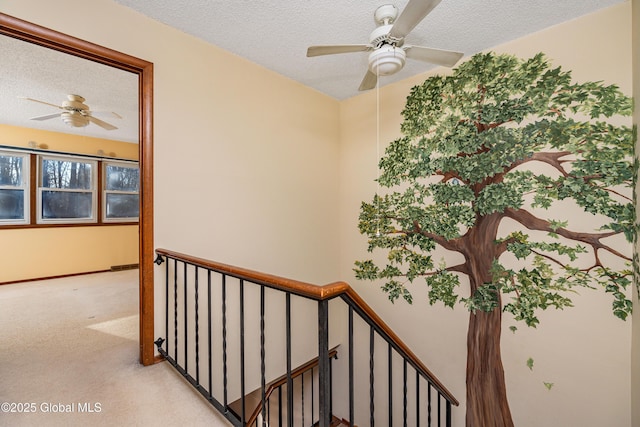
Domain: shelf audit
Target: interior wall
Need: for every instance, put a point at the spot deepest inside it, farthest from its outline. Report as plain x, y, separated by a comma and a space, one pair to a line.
249, 177
36, 253
585, 350
245, 160
16, 136
32, 253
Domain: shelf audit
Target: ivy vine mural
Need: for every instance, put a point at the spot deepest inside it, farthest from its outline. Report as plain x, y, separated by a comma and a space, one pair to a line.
505, 139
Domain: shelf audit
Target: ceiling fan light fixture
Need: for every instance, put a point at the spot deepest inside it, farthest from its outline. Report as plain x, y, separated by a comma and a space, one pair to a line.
387, 60
74, 119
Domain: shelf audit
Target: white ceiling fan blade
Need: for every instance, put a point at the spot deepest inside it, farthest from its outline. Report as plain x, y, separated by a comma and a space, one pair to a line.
46, 117
369, 81
41, 102
412, 15
111, 114
101, 123
446, 58
331, 50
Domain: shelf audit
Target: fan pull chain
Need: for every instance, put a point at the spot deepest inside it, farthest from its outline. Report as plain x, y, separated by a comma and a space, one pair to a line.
378, 149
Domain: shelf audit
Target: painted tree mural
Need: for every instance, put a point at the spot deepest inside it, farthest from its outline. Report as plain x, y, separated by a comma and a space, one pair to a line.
503, 140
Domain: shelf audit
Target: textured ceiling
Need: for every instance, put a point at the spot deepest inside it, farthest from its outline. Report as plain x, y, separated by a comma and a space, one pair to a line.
272, 33
36, 72
276, 33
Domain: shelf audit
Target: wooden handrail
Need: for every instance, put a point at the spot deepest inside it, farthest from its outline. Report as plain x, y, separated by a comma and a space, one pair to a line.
295, 287
272, 386
319, 293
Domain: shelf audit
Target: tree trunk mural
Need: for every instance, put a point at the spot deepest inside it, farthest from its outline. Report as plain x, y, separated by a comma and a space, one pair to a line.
487, 403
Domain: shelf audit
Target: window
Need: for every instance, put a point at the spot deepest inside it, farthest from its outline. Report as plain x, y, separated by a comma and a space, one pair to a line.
121, 199
14, 188
66, 190
44, 188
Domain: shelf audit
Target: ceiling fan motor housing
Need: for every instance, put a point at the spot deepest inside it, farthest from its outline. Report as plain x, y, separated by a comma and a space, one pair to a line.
75, 103
387, 60
75, 112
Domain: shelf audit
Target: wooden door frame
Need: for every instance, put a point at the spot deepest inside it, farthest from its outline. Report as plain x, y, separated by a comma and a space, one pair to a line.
32, 33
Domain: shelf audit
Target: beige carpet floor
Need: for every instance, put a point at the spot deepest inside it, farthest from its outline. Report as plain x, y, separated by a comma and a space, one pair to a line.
69, 356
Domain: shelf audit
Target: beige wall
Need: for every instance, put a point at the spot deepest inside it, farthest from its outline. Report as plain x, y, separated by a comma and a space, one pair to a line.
255, 170
16, 136
48, 252
585, 350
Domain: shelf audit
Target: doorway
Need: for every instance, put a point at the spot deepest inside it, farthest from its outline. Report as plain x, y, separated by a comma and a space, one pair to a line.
32, 33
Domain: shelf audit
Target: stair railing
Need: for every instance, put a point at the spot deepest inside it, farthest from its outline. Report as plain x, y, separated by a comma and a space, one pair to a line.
276, 386
221, 311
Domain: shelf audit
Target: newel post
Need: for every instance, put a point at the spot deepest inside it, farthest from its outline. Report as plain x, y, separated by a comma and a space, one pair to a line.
324, 370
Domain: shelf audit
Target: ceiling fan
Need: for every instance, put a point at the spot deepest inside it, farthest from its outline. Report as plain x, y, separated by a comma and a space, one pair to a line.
75, 113
386, 43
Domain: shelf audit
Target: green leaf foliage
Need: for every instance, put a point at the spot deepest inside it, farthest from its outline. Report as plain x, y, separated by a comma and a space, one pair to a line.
530, 364
498, 139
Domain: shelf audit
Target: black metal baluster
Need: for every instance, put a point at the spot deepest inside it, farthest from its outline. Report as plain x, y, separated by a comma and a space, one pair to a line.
197, 308
186, 333
160, 340
429, 404
269, 409
210, 361
313, 397
166, 306
418, 398
351, 366
324, 365
242, 378
448, 406
371, 378
280, 406
175, 310
439, 408
389, 359
289, 380
262, 359
225, 378
404, 391
302, 396
330, 385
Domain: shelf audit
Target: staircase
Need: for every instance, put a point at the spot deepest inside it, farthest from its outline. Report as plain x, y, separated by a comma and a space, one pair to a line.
276, 396
229, 330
